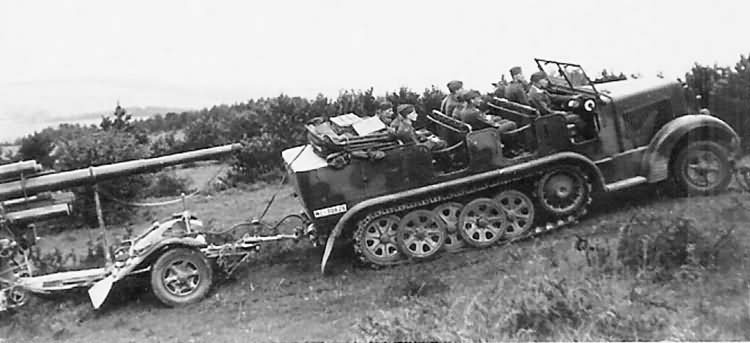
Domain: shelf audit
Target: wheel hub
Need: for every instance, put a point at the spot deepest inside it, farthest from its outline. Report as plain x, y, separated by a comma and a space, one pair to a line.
562, 191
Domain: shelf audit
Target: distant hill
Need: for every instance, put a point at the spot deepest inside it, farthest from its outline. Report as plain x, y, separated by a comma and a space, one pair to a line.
14, 128
136, 112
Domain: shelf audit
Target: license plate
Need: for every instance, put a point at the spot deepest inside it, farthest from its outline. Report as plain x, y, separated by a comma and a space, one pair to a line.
328, 211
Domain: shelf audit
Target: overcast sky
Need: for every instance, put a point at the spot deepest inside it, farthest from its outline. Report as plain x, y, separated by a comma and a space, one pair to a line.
59, 58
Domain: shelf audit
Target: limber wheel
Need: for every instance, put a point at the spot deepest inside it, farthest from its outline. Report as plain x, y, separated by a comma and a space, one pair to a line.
482, 222
562, 191
449, 213
421, 234
702, 168
181, 276
519, 209
377, 242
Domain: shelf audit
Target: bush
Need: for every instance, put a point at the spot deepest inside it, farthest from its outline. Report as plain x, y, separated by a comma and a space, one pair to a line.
103, 147
167, 183
665, 245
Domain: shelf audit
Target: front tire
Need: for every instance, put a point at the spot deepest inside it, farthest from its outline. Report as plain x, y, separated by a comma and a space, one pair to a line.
181, 276
702, 168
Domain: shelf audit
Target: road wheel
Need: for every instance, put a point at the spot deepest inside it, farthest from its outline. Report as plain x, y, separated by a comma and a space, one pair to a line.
181, 276
421, 234
563, 191
702, 168
377, 241
482, 222
520, 211
449, 213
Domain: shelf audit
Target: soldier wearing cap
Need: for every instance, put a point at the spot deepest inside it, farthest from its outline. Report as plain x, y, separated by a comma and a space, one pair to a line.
452, 101
516, 90
385, 112
471, 114
402, 126
476, 118
540, 98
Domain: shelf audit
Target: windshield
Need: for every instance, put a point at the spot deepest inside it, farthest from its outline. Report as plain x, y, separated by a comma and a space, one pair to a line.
566, 75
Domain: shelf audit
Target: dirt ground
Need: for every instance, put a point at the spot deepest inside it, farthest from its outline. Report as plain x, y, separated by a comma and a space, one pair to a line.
281, 295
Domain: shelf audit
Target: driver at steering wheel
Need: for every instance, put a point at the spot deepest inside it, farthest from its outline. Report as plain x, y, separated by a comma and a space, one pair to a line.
541, 99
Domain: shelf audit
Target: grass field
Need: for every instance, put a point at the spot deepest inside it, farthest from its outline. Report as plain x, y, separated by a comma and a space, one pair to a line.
539, 289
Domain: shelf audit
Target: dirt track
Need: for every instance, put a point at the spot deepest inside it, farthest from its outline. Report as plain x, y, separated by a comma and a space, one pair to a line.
286, 299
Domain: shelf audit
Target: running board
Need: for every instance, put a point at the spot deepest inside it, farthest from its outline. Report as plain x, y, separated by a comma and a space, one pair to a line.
622, 184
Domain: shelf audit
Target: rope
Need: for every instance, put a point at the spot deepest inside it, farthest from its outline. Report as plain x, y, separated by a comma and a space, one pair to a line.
163, 203
283, 178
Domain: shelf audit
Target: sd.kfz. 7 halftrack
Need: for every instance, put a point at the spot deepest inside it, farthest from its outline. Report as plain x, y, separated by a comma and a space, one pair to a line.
398, 201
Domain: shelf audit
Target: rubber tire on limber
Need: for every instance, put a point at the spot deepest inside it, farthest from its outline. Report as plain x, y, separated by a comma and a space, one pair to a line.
166, 260
685, 186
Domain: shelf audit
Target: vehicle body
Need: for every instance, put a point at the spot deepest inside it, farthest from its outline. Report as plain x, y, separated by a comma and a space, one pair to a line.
409, 201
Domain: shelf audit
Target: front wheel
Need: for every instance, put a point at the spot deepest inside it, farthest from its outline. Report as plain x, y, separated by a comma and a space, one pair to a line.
181, 276
702, 168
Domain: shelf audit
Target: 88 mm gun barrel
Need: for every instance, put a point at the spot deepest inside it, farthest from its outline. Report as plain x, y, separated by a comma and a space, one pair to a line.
91, 175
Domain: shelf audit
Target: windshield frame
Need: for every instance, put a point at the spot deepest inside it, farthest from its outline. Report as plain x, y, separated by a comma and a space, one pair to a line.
560, 68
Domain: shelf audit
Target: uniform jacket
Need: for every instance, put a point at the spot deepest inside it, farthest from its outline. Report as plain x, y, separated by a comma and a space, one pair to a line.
449, 105
403, 130
542, 99
515, 92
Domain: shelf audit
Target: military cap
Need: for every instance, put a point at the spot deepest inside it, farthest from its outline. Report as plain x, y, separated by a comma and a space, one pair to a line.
405, 109
471, 95
454, 85
538, 76
515, 71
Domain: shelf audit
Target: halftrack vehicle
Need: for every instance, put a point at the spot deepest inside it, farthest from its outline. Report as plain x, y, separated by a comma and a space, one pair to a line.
398, 202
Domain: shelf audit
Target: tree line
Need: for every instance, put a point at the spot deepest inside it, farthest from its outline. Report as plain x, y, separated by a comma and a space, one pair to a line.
265, 126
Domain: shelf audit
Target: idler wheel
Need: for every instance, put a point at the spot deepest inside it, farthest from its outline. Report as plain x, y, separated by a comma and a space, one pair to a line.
377, 241
520, 212
482, 222
421, 233
449, 213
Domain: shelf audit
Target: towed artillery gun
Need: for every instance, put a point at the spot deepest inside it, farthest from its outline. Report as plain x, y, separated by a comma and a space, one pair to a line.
396, 202
176, 252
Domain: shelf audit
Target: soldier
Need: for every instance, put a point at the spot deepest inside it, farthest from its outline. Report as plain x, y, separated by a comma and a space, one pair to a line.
452, 101
385, 112
539, 97
516, 90
402, 126
476, 118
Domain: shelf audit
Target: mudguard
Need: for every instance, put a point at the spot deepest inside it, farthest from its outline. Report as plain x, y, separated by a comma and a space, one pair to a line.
100, 290
567, 157
655, 163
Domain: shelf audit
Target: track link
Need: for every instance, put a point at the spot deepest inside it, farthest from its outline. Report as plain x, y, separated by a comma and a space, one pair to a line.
552, 224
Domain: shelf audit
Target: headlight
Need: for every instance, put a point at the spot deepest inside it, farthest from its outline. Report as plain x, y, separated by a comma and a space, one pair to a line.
589, 105
572, 103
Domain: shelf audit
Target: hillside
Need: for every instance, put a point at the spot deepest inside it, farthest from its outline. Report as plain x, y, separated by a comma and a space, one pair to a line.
540, 289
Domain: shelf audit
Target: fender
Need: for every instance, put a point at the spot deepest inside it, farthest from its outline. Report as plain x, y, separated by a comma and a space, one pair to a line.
132, 263
100, 290
655, 162
571, 157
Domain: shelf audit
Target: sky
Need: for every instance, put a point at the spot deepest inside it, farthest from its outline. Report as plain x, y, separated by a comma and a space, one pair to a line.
61, 58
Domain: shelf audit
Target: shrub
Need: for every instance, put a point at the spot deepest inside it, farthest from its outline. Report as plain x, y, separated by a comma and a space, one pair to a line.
103, 147
667, 244
167, 183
